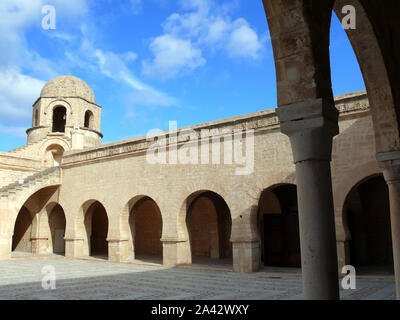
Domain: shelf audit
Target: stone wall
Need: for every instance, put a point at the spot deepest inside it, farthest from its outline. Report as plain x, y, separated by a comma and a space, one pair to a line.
115, 174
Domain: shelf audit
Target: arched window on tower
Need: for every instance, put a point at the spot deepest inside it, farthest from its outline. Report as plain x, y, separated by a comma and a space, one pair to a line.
88, 120
59, 119
36, 118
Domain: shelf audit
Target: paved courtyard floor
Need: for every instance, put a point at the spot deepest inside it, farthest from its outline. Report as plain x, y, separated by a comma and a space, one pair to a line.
90, 279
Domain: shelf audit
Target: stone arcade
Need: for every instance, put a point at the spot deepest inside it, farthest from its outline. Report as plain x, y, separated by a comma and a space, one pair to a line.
67, 193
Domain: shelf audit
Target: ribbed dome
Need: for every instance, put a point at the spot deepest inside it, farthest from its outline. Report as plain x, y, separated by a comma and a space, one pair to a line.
67, 86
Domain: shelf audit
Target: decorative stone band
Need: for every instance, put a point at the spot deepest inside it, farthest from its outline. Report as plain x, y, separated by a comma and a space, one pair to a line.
237, 240
262, 121
173, 240
116, 240
311, 126
390, 164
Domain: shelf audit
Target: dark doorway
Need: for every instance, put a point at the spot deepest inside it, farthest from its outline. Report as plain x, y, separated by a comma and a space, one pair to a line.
146, 227
59, 119
57, 225
88, 120
368, 217
98, 221
279, 227
209, 225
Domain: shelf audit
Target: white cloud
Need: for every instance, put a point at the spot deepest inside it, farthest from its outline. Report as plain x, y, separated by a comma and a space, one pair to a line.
20, 89
19, 15
151, 98
172, 55
205, 26
136, 6
115, 66
217, 30
244, 41
17, 94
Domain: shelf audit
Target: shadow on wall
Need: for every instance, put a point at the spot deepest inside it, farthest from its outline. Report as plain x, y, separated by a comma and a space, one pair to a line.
26, 226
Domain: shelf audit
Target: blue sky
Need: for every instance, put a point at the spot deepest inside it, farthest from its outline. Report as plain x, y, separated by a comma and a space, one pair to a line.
148, 61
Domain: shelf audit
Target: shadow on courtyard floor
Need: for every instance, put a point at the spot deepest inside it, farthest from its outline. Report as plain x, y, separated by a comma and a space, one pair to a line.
93, 280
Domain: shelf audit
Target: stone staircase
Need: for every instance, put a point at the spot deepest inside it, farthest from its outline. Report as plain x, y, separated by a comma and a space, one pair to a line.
24, 148
31, 149
37, 181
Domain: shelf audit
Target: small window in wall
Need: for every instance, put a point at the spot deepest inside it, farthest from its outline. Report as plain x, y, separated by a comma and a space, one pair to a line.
88, 120
36, 118
59, 119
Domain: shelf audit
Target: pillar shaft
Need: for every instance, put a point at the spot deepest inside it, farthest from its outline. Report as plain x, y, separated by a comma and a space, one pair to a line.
317, 230
5, 246
73, 247
246, 256
394, 196
311, 126
176, 252
390, 163
119, 250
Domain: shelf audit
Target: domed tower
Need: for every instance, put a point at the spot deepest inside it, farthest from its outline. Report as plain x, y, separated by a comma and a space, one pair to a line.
66, 110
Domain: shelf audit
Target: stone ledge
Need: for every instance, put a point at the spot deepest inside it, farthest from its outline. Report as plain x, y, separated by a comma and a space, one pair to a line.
266, 120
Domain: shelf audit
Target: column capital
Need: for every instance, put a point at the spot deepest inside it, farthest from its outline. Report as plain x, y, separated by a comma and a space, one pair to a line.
311, 126
389, 162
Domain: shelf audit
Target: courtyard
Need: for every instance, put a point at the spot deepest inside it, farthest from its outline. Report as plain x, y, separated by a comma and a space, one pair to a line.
94, 279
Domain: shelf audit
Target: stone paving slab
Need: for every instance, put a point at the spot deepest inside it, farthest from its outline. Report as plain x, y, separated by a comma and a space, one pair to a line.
93, 280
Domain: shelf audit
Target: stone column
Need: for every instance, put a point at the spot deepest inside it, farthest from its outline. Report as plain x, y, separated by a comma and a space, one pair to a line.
40, 245
311, 126
5, 246
246, 245
119, 250
73, 247
246, 255
390, 164
176, 252
343, 252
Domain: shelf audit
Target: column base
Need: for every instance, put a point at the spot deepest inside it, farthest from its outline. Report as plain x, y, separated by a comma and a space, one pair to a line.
176, 252
119, 251
5, 248
246, 256
343, 254
73, 248
40, 245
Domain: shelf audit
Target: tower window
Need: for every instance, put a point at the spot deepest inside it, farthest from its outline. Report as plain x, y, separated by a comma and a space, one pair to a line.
88, 120
36, 118
59, 119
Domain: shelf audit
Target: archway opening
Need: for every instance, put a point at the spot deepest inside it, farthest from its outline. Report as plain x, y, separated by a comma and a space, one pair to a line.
145, 223
21, 241
278, 224
57, 224
209, 225
343, 59
96, 225
53, 156
368, 218
88, 120
59, 119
